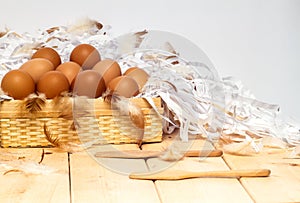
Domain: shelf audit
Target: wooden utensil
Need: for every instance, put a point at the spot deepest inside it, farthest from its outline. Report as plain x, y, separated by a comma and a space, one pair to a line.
144, 154
181, 174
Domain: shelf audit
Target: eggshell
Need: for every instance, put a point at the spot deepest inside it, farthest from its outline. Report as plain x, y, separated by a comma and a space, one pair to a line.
109, 69
130, 70
52, 84
124, 86
88, 83
17, 84
85, 55
37, 67
70, 70
48, 53
139, 75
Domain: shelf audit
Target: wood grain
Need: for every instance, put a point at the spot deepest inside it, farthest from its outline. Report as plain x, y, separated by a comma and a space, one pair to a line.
92, 182
20, 186
282, 186
196, 190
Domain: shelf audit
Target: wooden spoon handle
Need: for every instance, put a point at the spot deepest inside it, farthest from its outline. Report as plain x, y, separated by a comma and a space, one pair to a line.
203, 153
179, 175
233, 173
140, 154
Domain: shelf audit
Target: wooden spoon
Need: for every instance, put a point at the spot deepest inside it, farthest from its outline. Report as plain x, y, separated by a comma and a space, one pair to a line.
180, 174
143, 154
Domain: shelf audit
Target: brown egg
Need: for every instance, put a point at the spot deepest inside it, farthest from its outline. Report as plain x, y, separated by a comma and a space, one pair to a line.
18, 84
130, 70
139, 75
69, 69
52, 84
85, 55
48, 53
88, 83
37, 67
109, 69
124, 86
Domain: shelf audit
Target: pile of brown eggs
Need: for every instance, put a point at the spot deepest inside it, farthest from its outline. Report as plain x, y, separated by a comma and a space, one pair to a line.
85, 74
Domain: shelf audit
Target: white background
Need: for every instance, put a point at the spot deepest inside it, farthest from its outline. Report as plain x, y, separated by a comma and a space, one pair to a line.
257, 41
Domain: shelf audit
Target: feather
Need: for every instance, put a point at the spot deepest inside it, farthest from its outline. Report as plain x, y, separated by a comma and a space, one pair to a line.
21, 161
137, 117
125, 107
42, 156
129, 42
84, 25
63, 104
173, 152
274, 142
12, 170
107, 96
52, 29
34, 103
139, 38
53, 140
27, 167
64, 146
25, 49
3, 33
73, 126
168, 121
169, 48
171, 155
244, 148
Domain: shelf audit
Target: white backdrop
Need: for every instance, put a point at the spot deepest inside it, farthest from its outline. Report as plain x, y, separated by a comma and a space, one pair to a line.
257, 41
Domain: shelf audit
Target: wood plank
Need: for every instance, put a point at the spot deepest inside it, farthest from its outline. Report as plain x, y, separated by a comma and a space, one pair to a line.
198, 189
29, 185
92, 182
284, 183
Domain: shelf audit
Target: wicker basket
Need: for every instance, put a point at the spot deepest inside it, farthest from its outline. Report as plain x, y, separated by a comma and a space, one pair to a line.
21, 128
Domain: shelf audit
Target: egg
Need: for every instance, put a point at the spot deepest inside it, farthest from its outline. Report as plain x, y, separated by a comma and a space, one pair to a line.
18, 84
85, 55
70, 70
48, 53
130, 70
139, 75
88, 83
123, 86
52, 84
109, 69
37, 67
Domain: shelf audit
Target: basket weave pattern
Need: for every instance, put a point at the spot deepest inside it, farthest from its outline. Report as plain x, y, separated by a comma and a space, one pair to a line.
19, 128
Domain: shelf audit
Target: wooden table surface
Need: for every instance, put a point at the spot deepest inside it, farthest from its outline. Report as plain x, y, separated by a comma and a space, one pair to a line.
78, 177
